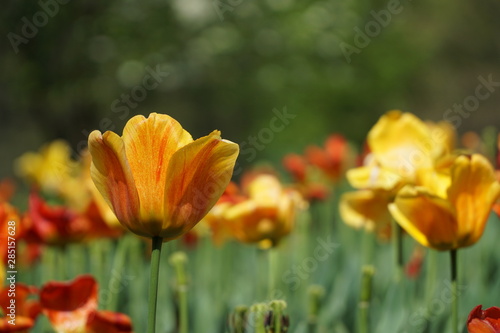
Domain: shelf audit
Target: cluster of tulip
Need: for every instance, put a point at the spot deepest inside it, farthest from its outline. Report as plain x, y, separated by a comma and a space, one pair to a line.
157, 183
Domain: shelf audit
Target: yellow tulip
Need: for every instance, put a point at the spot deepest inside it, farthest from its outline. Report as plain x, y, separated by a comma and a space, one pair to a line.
156, 178
456, 218
49, 168
401, 143
404, 150
267, 215
367, 209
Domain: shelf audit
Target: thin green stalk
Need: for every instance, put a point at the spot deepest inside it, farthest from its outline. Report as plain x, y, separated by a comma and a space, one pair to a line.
179, 260
454, 305
258, 311
368, 247
96, 256
365, 299
431, 275
315, 294
153, 282
397, 244
272, 255
277, 310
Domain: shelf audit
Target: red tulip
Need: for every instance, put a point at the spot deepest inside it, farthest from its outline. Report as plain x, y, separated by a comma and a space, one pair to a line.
484, 321
72, 308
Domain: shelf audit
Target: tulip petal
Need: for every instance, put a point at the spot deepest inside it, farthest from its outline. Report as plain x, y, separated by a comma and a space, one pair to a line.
22, 324
150, 143
68, 304
480, 326
428, 219
372, 177
367, 209
473, 191
197, 175
402, 143
112, 176
109, 322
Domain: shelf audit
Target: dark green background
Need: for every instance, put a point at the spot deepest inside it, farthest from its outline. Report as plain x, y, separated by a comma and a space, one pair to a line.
230, 74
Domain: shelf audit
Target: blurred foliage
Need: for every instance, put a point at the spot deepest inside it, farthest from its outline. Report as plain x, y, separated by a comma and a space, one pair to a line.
231, 73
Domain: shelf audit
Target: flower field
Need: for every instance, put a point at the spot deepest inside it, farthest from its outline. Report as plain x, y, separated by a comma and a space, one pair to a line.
152, 230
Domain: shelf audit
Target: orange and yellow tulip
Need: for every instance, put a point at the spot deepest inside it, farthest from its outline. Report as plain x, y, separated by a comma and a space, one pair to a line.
158, 180
451, 219
484, 321
267, 215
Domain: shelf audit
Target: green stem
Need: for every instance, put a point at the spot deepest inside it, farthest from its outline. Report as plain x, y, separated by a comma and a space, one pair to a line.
431, 276
258, 317
397, 243
272, 255
315, 294
153, 282
365, 299
454, 309
179, 261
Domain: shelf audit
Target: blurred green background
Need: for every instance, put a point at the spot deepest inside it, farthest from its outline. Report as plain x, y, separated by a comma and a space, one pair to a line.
231, 62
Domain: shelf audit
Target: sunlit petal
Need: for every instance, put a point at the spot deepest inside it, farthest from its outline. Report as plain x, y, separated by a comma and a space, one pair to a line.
197, 175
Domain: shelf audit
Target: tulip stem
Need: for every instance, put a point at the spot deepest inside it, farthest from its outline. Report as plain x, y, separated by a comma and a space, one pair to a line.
272, 254
153, 282
365, 298
179, 261
397, 243
454, 309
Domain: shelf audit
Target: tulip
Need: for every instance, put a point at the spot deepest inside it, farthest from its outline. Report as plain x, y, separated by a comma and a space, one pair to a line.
72, 308
312, 190
367, 209
484, 321
158, 181
49, 169
453, 219
333, 158
267, 215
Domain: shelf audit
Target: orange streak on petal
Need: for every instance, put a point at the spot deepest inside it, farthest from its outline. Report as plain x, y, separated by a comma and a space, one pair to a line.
149, 145
196, 178
111, 174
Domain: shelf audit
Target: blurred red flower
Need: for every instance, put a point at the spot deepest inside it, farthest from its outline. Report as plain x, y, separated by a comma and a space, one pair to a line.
72, 307
25, 311
484, 321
